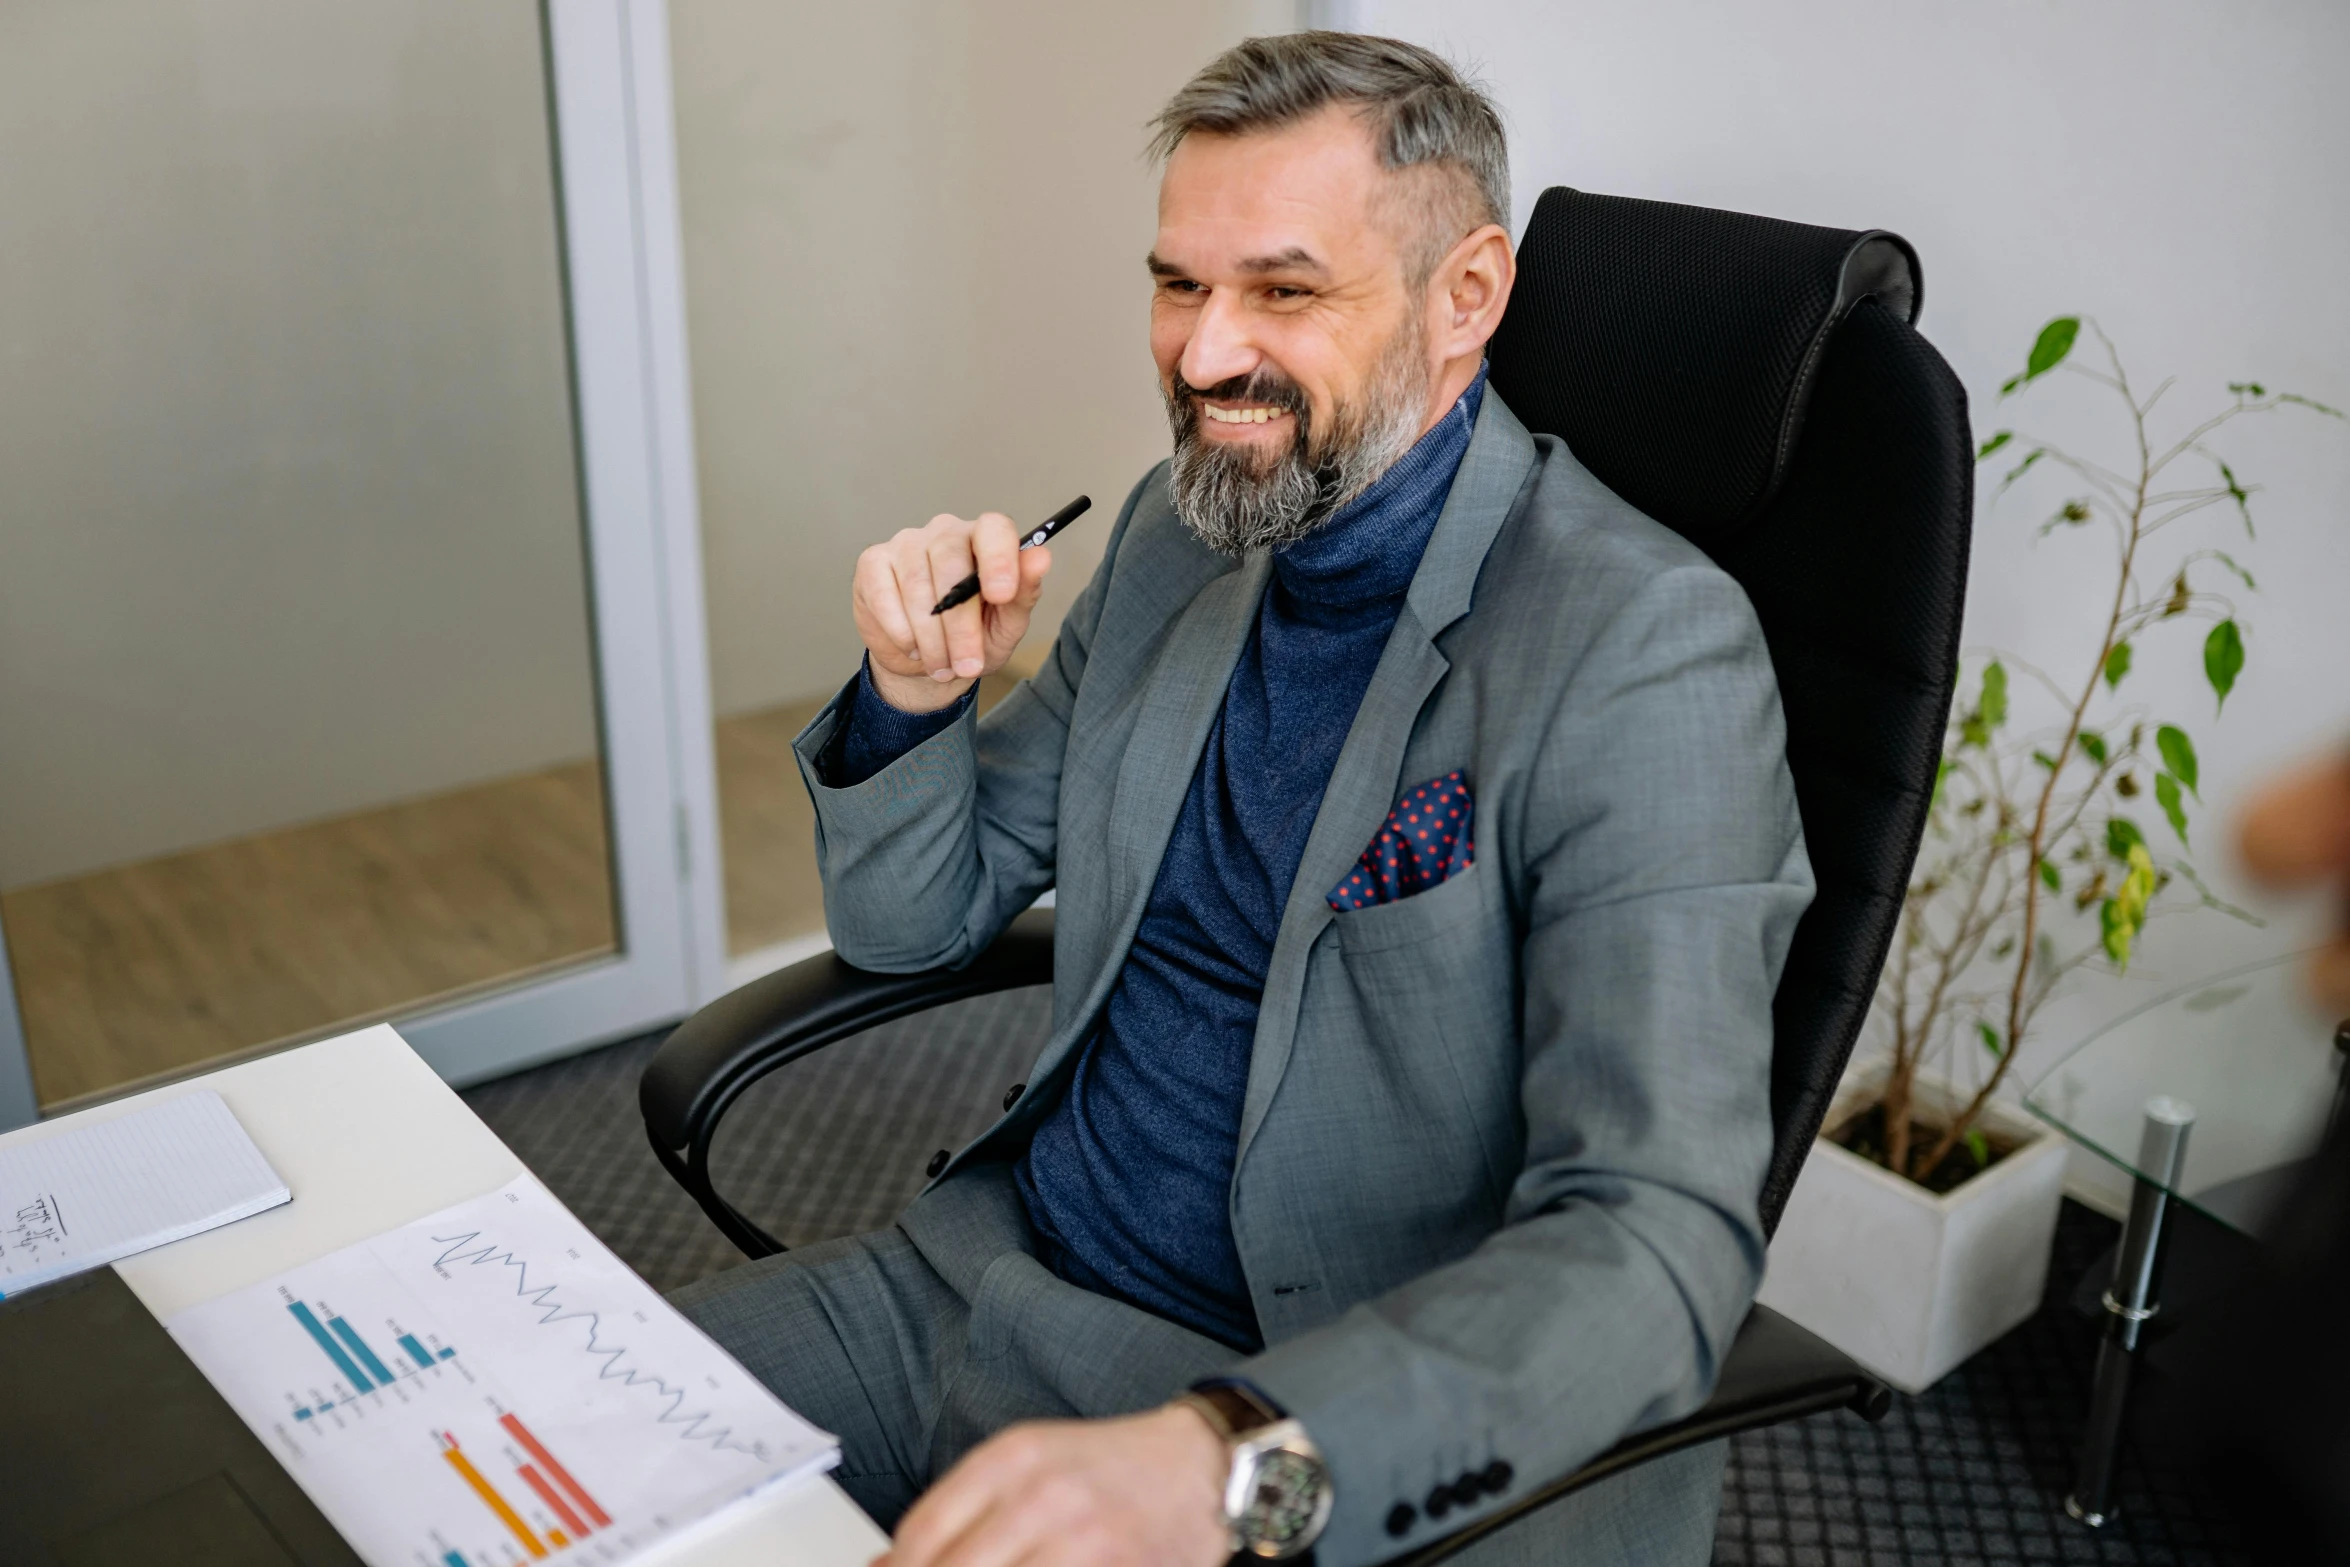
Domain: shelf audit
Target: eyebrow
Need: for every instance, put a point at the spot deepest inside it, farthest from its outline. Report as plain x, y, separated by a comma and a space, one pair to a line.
1295, 259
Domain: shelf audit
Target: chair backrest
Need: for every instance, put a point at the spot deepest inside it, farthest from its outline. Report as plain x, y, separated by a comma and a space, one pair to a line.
1757, 386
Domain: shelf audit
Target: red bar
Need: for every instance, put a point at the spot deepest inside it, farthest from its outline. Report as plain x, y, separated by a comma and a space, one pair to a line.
576, 1491
549, 1495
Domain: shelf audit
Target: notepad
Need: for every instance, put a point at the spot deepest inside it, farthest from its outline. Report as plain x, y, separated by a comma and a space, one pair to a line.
86, 1197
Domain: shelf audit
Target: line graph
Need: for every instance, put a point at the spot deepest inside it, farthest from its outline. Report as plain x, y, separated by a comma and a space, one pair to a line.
552, 1312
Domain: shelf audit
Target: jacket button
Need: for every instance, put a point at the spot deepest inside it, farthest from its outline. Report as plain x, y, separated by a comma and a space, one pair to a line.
1439, 1501
938, 1162
1497, 1476
1400, 1519
1466, 1491
1013, 1093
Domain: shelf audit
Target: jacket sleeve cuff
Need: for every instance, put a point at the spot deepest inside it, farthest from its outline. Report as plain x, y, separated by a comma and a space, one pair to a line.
870, 734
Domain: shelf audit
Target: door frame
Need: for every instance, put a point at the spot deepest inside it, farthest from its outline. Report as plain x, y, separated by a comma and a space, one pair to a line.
614, 141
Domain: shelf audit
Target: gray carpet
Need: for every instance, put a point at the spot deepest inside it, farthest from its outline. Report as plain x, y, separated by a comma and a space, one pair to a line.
1971, 1474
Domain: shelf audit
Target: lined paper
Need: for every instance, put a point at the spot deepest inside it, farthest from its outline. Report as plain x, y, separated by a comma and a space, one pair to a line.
83, 1198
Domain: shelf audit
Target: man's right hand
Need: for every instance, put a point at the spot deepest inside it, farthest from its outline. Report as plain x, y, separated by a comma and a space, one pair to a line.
921, 661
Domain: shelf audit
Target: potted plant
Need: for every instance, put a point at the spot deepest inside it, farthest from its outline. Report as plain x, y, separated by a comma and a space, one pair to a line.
1919, 1230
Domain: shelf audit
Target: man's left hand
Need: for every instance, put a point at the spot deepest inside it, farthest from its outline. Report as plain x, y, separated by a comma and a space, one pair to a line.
1146, 1489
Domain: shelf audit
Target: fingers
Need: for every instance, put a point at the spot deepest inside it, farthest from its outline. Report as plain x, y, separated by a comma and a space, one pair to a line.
880, 611
995, 545
1008, 623
950, 1522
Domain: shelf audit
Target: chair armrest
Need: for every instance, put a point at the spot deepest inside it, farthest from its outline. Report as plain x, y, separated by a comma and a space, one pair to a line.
711, 1057
1775, 1371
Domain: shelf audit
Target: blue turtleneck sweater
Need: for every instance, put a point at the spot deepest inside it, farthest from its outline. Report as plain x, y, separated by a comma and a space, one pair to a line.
1127, 1182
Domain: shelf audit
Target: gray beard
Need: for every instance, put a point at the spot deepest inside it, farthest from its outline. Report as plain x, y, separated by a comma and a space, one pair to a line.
1234, 501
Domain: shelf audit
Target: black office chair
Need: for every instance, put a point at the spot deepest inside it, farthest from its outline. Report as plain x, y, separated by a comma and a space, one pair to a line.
1757, 386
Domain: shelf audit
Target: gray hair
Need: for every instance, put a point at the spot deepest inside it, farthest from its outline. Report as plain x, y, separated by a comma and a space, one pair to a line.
1421, 112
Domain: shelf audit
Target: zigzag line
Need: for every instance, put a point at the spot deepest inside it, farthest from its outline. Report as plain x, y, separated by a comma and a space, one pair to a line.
552, 1311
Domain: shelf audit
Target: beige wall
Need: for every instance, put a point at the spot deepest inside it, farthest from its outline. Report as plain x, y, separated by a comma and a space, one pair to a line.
287, 514
913, 243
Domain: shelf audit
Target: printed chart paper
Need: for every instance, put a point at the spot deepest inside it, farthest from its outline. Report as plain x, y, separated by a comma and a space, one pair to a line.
490, 1387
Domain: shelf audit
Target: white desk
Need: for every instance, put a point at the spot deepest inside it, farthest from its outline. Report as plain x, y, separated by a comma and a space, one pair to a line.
368, 1138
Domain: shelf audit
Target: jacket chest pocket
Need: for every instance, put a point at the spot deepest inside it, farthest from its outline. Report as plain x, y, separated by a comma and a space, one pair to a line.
1435, 977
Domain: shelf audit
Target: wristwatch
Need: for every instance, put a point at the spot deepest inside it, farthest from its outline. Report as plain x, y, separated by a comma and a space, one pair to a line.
1277, 1497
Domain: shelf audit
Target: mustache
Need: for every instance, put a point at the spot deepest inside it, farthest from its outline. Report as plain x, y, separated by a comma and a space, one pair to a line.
1264, 387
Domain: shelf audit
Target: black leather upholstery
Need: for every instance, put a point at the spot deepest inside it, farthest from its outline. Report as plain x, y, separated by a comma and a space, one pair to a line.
1757, 386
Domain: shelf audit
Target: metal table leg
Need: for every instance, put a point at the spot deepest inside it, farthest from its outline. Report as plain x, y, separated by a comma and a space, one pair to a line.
2130, 1301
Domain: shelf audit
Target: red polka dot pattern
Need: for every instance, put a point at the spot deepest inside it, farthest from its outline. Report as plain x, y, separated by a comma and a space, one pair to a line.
1425, 843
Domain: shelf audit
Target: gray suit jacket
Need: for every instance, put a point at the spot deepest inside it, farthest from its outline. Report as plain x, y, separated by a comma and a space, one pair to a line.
1502, 1141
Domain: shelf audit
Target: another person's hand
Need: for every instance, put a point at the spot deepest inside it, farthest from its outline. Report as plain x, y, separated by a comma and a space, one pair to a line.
2297, 831
1146, 1489
921, 661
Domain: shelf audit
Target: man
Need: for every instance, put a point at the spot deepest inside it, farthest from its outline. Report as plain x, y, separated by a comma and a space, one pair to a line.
1425, 859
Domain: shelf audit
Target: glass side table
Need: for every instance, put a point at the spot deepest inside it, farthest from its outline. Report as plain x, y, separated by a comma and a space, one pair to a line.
2211, 1097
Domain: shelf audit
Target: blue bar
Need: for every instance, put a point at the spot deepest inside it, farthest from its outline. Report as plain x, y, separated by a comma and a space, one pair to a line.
454, 1560
334, 1351
301, 1414
416, 1350
343, 1331
446, 1353
326, 1403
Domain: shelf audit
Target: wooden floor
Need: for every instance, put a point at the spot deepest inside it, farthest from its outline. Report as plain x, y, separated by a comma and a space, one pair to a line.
149, 969
152, 968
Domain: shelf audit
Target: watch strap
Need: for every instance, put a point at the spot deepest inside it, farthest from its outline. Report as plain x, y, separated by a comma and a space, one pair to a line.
1233, 1408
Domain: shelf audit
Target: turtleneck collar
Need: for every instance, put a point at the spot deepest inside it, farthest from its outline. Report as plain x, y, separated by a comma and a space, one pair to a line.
1371, 546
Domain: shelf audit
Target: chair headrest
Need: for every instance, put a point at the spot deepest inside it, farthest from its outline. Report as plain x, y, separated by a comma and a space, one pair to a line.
1672, 348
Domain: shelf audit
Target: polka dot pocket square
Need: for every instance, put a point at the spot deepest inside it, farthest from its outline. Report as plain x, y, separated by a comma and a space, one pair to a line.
1424, 843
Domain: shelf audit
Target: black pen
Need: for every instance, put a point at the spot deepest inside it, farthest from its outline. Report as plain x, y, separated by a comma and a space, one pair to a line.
968, 589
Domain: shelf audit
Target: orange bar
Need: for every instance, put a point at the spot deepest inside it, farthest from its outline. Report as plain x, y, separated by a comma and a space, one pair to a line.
489, 1495
556, 1535
554, 1499
576, 1491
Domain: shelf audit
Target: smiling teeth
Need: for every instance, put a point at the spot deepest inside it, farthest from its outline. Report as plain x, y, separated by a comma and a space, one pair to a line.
1241, 415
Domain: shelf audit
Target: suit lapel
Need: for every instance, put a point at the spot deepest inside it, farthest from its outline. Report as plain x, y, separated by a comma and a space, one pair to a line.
1180, 698
1362, 785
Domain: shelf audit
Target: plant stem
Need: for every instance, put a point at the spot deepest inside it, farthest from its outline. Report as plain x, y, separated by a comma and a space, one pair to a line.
2036, 844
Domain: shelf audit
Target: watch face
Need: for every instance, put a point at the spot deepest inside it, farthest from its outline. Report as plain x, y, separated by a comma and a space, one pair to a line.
1285, 1505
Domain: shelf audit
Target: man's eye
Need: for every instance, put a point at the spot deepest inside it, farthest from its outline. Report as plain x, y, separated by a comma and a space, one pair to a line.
1181, 285
1284, 291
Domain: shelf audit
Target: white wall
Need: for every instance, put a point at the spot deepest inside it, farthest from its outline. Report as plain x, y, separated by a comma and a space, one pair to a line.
287, 515
2173, 167
914, 233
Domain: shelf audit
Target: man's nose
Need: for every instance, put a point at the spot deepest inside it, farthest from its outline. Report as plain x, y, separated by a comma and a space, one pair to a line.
1220, 348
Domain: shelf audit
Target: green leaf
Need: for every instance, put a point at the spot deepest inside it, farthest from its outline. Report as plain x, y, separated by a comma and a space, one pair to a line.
1978, 1145
2115, 931
1993, 444
2045, 760
2121, 836
2311, 403
2247, 389
2050, 877
2117, 664
1994, 694
2049, 348
2094, 744
2020, 469
1941, 776
2228, 561
2010, 384
2178, 754
2237, 492
2166, 795
1988, 1035
2223, 658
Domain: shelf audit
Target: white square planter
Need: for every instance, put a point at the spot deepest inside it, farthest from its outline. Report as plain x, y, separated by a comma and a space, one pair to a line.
1907, 1283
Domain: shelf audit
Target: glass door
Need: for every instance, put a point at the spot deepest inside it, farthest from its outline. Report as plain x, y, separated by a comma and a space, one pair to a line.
349, 617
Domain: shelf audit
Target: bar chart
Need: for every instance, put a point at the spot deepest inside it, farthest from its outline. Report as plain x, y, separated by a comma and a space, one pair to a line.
490, 1387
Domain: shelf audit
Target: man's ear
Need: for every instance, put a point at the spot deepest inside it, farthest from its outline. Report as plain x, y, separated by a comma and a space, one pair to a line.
1468, 292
